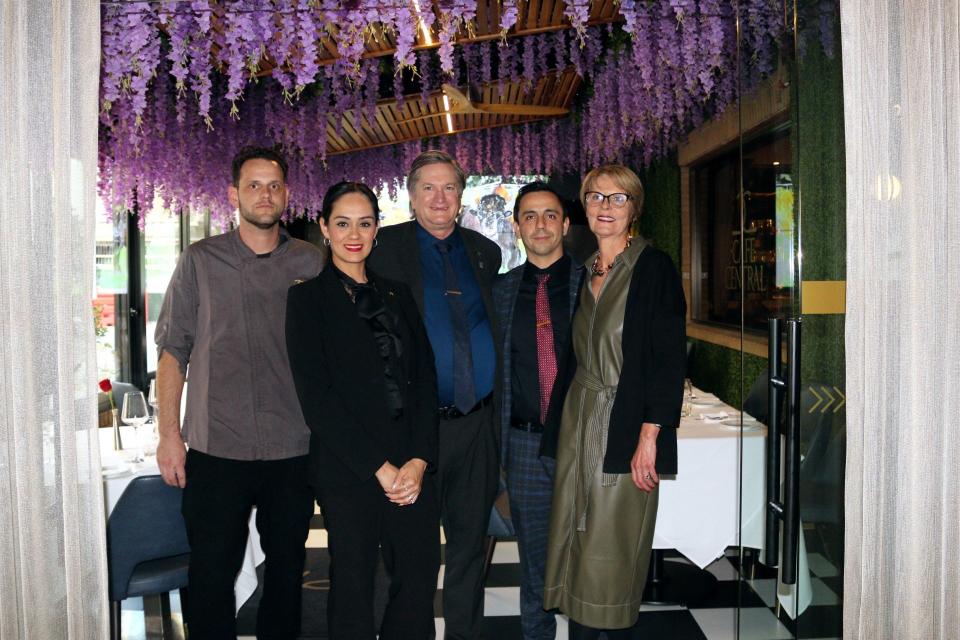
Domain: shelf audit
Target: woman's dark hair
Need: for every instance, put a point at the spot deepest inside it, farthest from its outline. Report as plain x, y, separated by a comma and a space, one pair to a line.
341, 189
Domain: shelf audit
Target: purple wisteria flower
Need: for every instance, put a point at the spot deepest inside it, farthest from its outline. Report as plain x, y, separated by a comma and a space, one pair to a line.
166, 101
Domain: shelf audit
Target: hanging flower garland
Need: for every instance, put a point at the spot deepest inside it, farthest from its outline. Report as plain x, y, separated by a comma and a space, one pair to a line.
170, 124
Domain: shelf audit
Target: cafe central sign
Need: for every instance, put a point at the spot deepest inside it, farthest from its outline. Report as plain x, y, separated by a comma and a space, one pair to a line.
752, 270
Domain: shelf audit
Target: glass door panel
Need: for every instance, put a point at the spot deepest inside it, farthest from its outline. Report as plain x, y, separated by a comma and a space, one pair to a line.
800, 399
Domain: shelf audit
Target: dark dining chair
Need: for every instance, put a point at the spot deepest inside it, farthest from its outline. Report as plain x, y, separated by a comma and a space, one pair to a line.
147, 551
500, 526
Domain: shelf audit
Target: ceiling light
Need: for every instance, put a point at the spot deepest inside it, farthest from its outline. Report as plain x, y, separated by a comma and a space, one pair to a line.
427, 38
446, 107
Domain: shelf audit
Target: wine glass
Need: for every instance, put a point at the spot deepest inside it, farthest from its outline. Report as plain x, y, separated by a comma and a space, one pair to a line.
152, 397
688, 389
154, 419
134, 413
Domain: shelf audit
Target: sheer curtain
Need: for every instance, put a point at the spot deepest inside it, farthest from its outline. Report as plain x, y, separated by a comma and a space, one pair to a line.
53, 577
901, 68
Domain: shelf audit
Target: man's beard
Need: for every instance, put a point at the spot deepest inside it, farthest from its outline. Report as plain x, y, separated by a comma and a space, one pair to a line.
257, 222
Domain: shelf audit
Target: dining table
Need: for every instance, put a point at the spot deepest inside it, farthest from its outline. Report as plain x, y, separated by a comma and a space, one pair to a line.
717, 498
118, 469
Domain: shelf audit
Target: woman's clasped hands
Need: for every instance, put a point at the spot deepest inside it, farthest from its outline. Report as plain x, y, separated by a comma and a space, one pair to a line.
403, 485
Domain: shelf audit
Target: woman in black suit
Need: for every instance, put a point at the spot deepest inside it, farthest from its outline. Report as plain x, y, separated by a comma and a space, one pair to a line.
364, 374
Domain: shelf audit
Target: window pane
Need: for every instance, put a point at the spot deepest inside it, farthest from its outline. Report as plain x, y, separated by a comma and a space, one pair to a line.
111, 281
198, 226
486, 207
161, 244
761, 262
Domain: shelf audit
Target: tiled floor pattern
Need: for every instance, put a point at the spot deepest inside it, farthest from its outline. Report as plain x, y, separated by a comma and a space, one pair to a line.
713, 618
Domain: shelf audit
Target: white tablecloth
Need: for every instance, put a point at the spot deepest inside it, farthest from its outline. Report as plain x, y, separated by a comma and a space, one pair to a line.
114, 485
700, 507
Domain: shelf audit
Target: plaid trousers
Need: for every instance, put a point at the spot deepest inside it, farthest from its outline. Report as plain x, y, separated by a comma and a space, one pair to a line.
530, 487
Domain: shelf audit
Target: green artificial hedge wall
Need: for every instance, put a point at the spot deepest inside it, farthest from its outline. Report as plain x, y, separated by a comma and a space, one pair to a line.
660, 222
818, 149
817, 140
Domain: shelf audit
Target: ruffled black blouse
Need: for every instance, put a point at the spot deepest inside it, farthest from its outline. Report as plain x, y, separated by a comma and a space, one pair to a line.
372, 309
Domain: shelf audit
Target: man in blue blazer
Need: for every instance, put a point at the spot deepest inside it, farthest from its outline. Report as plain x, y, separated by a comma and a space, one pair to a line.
535, 304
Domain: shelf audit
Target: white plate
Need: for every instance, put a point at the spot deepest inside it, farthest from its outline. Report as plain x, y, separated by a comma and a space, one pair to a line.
748, 425
704, 402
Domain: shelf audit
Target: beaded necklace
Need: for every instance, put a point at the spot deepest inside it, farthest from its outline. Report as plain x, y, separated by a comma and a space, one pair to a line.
598, 270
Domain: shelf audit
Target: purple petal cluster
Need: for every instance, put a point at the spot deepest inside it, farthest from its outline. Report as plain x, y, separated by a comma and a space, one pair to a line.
508, 16
170, 106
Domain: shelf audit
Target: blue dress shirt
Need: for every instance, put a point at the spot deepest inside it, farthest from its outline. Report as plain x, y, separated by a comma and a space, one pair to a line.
436, 312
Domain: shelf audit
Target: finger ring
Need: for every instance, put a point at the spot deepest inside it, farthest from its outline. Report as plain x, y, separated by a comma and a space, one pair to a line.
649, 477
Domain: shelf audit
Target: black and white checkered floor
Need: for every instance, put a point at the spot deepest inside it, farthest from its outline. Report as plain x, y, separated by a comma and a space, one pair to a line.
712, 618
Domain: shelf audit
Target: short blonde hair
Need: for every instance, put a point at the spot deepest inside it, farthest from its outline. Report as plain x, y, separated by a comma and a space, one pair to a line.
434, 156
624, 177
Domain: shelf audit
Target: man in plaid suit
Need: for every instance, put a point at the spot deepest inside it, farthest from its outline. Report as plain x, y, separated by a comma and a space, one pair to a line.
534, 303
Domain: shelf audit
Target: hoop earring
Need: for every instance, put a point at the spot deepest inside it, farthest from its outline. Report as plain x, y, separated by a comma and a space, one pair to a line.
374, 243
326, 242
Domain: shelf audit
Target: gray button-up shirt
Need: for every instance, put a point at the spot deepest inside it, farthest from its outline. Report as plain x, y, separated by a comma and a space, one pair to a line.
223, 314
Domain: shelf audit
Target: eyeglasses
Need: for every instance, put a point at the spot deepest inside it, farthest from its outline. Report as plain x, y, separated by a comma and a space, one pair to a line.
616, 199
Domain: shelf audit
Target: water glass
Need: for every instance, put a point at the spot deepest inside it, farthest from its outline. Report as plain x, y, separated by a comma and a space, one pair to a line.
135, 414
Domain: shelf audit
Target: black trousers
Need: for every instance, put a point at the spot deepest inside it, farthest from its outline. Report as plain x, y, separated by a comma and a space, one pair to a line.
468, 478
361, 524
216, 508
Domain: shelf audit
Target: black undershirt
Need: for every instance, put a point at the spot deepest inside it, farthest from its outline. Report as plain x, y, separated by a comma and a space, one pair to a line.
525, 374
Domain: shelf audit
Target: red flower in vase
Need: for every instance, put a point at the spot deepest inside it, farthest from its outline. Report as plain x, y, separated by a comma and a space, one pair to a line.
107, 388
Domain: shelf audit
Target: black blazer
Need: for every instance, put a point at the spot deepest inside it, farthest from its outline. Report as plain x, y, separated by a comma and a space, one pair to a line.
398, 256
654, 364
505, 298
339, 376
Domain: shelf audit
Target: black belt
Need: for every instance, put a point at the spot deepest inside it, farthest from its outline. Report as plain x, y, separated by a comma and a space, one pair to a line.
451, 412
529, 427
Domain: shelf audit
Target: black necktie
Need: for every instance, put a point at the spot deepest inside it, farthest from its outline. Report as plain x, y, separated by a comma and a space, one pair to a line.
464, 393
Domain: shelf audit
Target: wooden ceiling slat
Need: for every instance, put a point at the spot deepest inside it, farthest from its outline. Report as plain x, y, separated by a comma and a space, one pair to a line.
539, 90
330, 47
330, 152
553, 89
559, 92
370, 133
416, 109
386, 131
374, 131
532, 13
339, 144
360, 132
349, 135
482, 26
391, 114
534, 16
557, 17
546, 12
494, 20
602, 9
